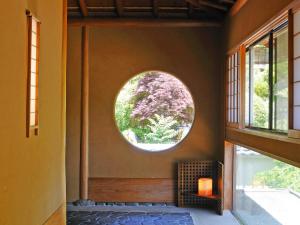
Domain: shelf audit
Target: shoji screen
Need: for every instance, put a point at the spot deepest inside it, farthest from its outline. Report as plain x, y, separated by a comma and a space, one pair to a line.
296, 77
233, 90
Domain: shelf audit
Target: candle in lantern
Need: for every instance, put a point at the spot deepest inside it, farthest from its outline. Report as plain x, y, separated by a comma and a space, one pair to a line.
205, 186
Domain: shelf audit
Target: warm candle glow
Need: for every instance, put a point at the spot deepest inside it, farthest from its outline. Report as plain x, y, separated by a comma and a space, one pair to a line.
205, 186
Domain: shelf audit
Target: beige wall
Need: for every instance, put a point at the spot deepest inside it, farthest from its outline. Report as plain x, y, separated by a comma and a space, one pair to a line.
253, 15
117, 54
32, 183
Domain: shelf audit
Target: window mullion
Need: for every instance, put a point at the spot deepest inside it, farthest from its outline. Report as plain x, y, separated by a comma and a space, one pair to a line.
271, 81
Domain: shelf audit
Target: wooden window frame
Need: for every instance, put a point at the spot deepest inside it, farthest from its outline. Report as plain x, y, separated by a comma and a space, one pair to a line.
32, 128
269, 36
276, 22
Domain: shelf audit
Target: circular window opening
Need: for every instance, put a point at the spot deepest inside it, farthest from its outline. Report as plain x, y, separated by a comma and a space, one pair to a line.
154, 111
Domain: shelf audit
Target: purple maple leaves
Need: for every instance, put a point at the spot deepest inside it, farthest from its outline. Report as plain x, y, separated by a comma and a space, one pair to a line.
162, 94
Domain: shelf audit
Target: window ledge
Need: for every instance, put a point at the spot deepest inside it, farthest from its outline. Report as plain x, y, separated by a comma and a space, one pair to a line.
267, 134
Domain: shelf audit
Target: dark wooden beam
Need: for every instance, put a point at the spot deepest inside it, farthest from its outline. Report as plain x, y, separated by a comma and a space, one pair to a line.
227, 1
83, 7
237, 7
190, 10
142, 22
155, 8
119, 7
193, 2
198, 3
212, 5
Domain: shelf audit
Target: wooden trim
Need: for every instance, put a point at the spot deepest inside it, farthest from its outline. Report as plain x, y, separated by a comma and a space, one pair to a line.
83, 8
242, 86
84, 145
141, 22
277, 146
58, 217
237, 7
228, 175
64, 73
294, 134
155, 8
119, 7
212, 5
291, 69
263, 30
132, 189
267, 28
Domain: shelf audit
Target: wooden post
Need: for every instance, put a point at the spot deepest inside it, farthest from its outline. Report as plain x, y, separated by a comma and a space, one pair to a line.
84, 145
228, 175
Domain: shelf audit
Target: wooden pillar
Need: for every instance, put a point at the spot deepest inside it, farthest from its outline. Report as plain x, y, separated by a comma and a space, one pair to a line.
228, 175
84, 144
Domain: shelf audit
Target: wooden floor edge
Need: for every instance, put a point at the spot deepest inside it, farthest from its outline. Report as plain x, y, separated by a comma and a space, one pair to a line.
58, 217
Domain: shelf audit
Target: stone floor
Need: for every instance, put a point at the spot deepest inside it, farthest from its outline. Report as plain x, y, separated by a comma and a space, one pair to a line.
199, 216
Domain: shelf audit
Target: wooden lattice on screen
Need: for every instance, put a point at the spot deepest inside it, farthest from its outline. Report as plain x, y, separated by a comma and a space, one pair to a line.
233, 90
188, 174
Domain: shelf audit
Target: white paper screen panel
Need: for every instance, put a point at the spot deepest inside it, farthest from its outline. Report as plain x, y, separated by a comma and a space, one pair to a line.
297, 118
297, 22
297, 94
297, 46
297, 70
296, 85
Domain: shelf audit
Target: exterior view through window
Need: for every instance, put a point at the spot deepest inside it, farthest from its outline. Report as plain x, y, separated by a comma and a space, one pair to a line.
267, 81
154, 111
267, 191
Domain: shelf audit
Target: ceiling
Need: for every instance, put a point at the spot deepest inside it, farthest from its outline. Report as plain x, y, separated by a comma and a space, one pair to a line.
203, 10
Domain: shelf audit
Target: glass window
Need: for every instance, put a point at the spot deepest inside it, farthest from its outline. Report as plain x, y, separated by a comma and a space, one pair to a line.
280, 80
266, 104
267, 191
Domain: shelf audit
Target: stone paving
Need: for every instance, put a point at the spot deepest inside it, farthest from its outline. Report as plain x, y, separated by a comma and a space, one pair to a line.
127, 218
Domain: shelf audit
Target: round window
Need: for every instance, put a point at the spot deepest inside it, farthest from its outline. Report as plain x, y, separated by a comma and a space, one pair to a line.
154, 111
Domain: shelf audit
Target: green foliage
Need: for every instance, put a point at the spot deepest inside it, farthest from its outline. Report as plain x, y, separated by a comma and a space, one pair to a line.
122, 114
260, 112
162, 130
125, 103
281, 176
261, 96
261, 88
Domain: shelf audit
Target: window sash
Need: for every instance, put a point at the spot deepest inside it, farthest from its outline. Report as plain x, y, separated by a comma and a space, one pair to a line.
270, 80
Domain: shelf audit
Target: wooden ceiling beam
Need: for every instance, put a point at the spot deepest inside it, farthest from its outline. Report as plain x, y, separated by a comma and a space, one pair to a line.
198, 3
237, 7
119, 7
155, 8
212, 5
227, 1
83, 8
190, 10
142, 22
